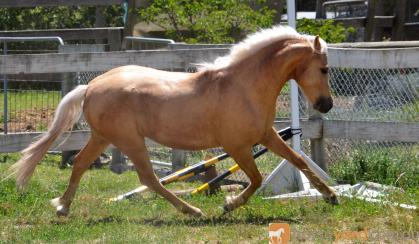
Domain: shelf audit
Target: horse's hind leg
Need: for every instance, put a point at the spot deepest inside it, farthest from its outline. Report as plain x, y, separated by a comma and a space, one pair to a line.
274, 143
81, 163
137, 152
246, 162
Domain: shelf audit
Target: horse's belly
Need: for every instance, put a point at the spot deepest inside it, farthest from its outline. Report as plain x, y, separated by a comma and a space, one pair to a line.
186, 138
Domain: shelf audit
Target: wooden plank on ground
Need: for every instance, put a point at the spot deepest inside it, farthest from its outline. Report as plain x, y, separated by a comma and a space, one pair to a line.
368, 130
84, 62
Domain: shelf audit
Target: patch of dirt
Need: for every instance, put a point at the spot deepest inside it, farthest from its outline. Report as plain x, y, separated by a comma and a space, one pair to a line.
29, 120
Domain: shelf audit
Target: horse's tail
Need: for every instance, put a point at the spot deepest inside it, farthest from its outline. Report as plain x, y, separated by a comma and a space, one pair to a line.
67, 114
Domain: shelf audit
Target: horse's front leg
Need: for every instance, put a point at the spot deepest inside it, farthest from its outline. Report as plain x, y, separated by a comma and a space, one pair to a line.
274, 142
245, 160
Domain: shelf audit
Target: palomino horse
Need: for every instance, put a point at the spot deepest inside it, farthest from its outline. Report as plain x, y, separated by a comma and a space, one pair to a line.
230, 104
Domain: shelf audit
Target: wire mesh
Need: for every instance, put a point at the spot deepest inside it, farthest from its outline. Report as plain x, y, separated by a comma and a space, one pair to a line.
29, 110
379, 95
375, 94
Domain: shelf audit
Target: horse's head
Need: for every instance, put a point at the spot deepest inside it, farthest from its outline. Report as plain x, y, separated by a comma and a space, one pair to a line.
311, 74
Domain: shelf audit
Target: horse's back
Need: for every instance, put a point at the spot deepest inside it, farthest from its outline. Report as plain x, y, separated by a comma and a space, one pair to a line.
164, 106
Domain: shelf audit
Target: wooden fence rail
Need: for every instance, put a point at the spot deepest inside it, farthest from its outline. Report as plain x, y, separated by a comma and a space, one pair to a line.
86, 62
312, 129
387, 58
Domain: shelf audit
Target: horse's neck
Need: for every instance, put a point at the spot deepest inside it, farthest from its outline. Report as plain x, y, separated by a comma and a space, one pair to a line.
263, 78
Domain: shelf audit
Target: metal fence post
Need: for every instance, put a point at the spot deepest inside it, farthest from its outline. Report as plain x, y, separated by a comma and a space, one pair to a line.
5, 111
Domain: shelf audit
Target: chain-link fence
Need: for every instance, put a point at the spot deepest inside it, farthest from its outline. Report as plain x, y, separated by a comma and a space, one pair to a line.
374, 95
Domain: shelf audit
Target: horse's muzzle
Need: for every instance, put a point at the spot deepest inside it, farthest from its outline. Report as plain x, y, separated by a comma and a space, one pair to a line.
323, 104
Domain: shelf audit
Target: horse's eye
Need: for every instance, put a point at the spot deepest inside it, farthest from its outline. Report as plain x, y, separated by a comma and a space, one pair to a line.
324, 70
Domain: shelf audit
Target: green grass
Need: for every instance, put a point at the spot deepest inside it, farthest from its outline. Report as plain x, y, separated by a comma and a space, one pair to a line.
150, 219
23, 100
396, 166
413, 110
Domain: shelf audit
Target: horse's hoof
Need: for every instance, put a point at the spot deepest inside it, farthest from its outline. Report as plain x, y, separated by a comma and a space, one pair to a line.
333, 199
193, 211
229, 203
197, 213
60, 209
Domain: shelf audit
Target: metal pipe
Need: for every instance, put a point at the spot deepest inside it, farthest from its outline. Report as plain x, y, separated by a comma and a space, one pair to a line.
5, 104
295, 117
5, 40
40, 38
149, 40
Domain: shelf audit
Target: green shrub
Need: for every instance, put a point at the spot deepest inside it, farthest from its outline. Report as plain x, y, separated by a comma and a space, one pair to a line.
207, 21
330, 31
390, 166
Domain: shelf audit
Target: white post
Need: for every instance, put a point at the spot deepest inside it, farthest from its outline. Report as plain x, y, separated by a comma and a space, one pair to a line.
303, 183
291, 13
285, 177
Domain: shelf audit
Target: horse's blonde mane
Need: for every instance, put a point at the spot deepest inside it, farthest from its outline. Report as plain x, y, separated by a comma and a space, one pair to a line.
255, 42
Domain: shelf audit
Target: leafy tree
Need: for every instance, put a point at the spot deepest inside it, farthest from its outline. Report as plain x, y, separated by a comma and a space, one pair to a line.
207, 21
326, 29
56, 17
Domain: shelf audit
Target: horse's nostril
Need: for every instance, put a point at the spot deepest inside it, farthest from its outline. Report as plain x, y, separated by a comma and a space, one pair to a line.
323, 104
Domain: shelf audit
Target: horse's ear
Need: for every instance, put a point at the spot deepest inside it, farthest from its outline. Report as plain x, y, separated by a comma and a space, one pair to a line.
317, 45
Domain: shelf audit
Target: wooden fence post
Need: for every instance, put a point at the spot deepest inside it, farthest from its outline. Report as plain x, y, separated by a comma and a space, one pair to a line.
369, 25
320, 12
132, 18
399, 20
99, 20
115, 40
69, 82
178, 159
118, 163
317, 145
